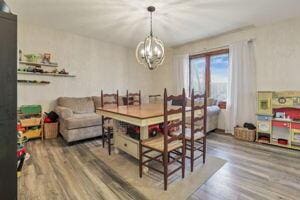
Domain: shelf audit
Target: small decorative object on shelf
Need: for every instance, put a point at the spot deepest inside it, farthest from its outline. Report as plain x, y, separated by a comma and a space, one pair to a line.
32, 58
278, 118
46, 58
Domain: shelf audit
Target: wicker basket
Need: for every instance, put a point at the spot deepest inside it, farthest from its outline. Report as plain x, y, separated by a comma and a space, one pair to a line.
244, 134
30, 122
50, 130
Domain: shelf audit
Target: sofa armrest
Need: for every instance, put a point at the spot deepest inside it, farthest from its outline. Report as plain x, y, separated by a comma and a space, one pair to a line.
63, 112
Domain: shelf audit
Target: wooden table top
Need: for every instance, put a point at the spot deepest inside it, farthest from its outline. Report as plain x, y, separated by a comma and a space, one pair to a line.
143, 111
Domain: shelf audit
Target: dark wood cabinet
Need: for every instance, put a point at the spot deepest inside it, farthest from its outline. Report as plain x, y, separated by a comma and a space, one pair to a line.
8, 105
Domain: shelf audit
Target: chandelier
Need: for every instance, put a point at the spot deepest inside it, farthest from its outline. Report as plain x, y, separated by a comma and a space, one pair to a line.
150, 52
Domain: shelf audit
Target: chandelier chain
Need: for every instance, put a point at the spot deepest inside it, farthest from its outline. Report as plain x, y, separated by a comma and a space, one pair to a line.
151, 33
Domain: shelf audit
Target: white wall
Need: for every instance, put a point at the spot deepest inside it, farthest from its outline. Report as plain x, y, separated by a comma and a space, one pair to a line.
277, 52
97, 65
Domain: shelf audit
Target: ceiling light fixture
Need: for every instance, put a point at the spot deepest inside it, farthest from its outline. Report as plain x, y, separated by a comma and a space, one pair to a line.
150, 52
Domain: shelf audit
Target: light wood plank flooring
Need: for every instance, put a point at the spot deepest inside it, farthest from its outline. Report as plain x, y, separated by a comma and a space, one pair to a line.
253, 171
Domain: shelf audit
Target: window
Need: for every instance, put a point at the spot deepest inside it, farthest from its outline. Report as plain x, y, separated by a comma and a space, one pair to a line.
209, 72
219, 76
198, 66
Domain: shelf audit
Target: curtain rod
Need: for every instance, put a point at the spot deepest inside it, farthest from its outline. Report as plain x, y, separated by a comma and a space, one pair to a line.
205, 50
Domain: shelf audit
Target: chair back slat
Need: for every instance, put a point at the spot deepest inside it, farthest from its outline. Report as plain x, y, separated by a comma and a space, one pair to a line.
170, 110
109, 95
134, 98
198, 119
111, 102
194, 119
108, 103
174, 138
198, 107
174, 111
199, 96
176, 98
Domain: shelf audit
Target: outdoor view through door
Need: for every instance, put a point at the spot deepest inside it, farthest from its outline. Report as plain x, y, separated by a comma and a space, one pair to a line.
210, 71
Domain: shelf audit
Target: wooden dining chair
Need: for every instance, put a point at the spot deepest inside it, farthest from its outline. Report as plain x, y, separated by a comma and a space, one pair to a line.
196, 135
108, 100
165, 144
134, 98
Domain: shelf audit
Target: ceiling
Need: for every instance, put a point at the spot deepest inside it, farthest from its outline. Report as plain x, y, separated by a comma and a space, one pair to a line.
176, 22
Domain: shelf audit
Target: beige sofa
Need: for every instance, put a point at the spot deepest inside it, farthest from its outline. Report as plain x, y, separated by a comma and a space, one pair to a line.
78, 119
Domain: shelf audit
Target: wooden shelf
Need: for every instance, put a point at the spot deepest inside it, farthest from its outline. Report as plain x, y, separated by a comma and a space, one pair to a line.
31, 82
33, 125
263, 141
45, 74
38, 64
280, 145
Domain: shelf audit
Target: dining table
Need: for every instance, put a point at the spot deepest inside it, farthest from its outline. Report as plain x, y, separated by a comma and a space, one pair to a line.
142, 116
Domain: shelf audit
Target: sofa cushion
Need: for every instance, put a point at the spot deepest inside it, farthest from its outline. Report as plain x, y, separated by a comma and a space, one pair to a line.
77, 105
83, 120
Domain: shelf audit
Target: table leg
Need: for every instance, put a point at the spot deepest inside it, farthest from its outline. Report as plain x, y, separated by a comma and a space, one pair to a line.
115, 133
144, 134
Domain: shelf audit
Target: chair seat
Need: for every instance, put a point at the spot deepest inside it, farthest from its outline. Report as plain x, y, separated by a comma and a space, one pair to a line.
157, 143
188, 135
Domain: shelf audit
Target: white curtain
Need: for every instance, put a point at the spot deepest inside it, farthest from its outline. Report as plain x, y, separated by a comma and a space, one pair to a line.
181, 73
241, 102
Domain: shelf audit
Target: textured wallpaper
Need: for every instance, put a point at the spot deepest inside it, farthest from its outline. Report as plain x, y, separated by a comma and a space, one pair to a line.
97, 65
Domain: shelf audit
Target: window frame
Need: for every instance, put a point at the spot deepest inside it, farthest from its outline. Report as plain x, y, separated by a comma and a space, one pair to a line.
207, 56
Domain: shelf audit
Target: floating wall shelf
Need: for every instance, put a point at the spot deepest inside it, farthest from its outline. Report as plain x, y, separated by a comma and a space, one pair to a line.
38, 64
46, 74
34, 82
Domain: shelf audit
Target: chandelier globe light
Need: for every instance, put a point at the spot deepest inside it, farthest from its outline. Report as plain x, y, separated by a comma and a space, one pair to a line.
150, 52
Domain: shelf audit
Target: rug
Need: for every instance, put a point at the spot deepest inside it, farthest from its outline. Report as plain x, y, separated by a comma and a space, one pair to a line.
151, 184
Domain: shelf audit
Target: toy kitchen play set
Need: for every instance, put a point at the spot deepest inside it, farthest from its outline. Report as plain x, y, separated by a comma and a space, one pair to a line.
278, 118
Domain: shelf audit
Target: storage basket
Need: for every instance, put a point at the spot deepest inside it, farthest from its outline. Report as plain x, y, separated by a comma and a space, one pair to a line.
33, 133
30, 122
244, 134
31, 109
50, 130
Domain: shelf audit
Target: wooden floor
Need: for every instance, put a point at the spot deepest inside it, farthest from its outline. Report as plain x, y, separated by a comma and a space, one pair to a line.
253, 171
